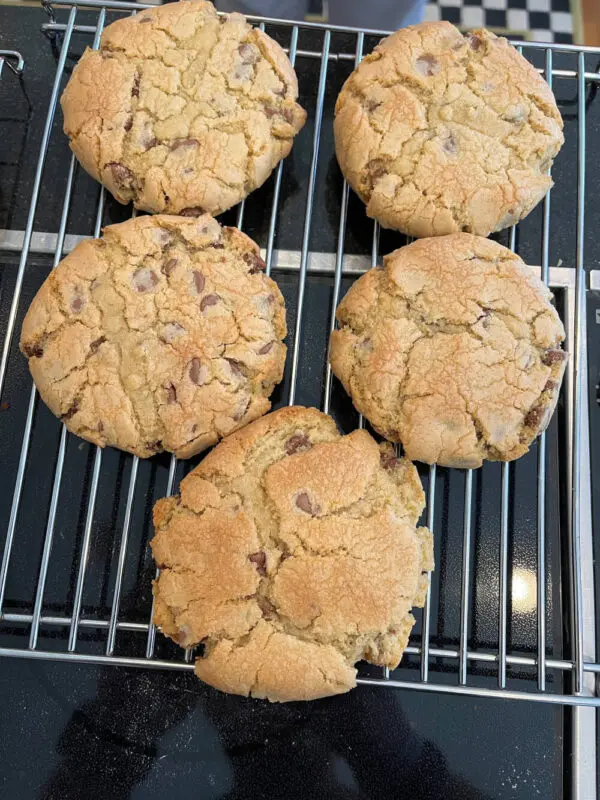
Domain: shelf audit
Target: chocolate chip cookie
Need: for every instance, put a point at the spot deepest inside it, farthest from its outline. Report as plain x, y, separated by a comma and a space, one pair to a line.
452, 349
165, 334
182, 111
290, 554
440, 133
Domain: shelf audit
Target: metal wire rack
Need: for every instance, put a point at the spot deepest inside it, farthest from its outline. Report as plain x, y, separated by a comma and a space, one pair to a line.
468, 640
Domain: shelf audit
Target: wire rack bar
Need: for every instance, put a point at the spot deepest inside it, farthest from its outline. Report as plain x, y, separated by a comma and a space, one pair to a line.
116, 600
89, 519
53, 27
277, 186
308, 216
121, 5
339, 256
503, 617
541, 483
434, 652
578, 368
150, 642
425, 650
43, 573
466, 561
468, 691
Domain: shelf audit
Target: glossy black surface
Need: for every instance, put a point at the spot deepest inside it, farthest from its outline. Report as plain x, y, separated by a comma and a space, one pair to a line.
68, 731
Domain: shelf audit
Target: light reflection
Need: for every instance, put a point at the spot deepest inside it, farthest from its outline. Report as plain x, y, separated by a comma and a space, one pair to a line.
524, 591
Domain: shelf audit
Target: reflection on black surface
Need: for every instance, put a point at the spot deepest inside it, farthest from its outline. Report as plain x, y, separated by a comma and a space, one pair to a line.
356, 746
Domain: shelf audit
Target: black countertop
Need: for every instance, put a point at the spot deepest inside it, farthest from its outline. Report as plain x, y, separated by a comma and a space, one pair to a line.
72, 731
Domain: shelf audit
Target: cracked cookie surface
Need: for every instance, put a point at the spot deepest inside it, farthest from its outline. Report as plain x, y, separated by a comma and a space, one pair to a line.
290, 554
182, 111
165, 334
452, 349
439, 133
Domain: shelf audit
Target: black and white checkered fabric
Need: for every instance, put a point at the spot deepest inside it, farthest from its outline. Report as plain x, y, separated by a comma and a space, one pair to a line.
537, 20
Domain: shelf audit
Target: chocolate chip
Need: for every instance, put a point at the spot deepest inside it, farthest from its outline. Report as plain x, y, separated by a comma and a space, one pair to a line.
304, 504
77, 303
553, 357
266, 348
249, 53
243, 72
236, 366
550, 386
149, 142
171, 331
484, 317
100, 426
267, 608
388, 460
209, 300
288, 115
177, 144
515, 115
197, 372
135, 89
534, 417
144, 20
297, 443
259, 559
162, 237
33, 351
194, 211
74, 408
237, 416
144, 280
427, 65
475, 42
376, 168
170, 265
199, 281
122, 175
96, 343
372, 105
171, 393
270, 111
217, 245
255, 263
128, 123
450, 146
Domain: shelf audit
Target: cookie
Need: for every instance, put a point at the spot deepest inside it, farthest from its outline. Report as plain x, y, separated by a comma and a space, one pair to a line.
439, 133
290, 554
452, 349
182, 111
165, 334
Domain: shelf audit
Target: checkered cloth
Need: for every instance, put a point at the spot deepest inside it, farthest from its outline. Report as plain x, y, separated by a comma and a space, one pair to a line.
539, 20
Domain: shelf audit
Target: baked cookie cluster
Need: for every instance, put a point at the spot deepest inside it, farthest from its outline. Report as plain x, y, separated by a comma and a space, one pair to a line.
292, 551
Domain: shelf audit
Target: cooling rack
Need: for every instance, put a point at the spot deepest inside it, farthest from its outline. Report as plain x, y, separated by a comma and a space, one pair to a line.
510, 612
